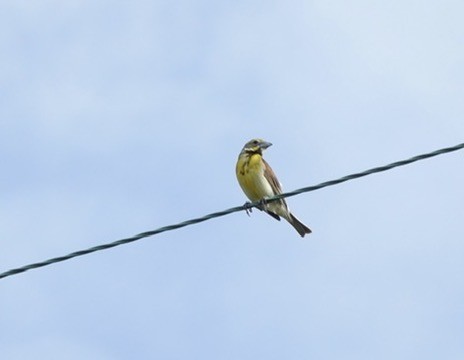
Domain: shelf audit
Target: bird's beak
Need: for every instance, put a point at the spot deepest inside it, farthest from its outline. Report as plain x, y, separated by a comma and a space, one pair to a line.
265, 145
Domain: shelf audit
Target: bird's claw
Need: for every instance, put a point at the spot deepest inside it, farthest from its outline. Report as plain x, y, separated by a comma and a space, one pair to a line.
248, 208
262, 205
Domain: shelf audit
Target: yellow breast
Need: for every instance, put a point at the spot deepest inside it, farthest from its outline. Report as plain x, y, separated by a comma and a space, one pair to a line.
250, 176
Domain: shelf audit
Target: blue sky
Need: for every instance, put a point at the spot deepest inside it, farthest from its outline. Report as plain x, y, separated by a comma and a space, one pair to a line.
120, 118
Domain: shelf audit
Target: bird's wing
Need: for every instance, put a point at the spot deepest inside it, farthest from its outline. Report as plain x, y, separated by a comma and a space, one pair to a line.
272, 179
279, 207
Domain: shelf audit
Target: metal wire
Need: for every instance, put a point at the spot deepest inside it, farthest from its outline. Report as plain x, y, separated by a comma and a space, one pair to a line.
245, 207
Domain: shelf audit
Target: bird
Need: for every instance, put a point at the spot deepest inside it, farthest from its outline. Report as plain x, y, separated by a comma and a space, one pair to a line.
259, 182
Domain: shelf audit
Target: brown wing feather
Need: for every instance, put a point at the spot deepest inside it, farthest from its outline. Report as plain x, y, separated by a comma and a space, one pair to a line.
272, 178
276, 188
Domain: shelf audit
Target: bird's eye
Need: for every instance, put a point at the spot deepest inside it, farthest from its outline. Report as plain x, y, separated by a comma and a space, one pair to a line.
255, 142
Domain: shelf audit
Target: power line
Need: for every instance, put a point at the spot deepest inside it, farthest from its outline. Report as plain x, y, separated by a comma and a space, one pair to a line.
245, 207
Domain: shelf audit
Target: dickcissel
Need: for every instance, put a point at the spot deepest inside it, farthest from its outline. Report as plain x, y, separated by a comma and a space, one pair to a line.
259, 182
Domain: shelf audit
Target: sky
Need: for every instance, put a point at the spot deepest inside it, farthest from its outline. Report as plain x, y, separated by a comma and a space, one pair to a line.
119, 118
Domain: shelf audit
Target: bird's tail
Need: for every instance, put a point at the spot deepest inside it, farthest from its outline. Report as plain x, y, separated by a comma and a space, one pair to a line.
298, 225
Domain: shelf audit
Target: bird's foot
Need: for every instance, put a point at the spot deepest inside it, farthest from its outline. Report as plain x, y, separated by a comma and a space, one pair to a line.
248, 208
262, 205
